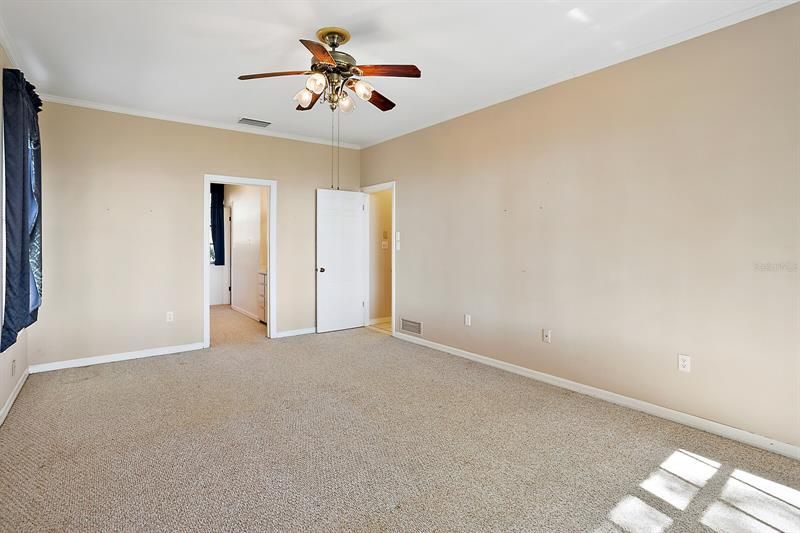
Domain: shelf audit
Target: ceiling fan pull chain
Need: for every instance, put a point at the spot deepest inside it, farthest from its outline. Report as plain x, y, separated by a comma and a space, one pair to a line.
338, 149
331, 150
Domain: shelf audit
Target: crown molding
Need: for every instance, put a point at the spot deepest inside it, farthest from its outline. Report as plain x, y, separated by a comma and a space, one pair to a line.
185, 120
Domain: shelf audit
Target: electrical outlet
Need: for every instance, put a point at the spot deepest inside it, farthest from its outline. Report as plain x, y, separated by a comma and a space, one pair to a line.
547, 336
467, 320
684, 363
13, 367
170, 316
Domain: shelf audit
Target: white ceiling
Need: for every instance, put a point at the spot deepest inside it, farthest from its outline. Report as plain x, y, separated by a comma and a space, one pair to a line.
180, 60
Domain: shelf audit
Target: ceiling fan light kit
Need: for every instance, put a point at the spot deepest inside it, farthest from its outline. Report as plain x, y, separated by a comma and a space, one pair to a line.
333, 72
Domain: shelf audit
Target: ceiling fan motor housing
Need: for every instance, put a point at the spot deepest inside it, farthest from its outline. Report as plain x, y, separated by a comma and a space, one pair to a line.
344, 64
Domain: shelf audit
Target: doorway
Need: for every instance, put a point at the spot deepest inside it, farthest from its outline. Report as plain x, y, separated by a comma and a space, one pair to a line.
382, 246
240, 286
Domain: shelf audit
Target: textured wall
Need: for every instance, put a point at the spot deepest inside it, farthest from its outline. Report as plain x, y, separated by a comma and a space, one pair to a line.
644, 210
247, 229
380, 259
123, 227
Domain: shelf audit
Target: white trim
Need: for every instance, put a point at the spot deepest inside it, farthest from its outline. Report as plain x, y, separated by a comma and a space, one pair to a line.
113, 358
185, 120
208, 179
759, 441
373, 321
294, 332
365, 230
389, 185
10, 401
246, 313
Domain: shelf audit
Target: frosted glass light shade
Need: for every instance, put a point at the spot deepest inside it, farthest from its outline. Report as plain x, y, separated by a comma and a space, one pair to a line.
316, 83
346, 104
363, 89
303, 98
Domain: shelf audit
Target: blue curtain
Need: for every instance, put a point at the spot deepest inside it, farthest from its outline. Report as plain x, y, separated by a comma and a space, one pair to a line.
23, 197
218, 222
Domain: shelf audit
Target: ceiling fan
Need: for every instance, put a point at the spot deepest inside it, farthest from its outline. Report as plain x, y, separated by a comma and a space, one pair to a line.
332, 71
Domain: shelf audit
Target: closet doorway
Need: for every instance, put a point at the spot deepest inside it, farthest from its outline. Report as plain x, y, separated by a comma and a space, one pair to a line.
383, 243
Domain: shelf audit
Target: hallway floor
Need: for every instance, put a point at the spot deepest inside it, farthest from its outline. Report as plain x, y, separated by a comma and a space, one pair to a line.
232, 327
383, 327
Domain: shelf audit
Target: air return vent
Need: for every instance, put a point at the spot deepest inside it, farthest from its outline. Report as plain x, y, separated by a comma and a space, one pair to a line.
410, 326
254, 122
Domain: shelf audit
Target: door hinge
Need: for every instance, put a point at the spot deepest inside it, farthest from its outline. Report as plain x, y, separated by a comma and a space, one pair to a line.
363, 304
363, 207
229, 287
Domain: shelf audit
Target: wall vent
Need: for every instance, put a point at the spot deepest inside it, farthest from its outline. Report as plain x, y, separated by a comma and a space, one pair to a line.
254, 122
410, 326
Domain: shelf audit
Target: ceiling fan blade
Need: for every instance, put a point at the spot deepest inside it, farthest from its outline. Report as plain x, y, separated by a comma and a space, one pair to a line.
381, 102
397, 71
319, 52
314, 99
272, 74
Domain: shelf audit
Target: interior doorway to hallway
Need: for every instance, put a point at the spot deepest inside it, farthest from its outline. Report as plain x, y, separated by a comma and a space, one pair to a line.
239, 254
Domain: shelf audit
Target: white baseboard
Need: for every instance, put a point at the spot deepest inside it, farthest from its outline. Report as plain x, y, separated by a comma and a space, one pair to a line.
10, 401
294, 332
373, 321
759, 441
101, 359
245, 312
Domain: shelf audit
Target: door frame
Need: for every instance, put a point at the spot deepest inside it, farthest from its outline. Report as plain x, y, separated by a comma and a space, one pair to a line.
389, 185
272, 281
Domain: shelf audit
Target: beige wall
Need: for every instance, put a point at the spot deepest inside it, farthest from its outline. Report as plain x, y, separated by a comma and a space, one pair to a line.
247, 231
16, 355
641, 211
123, 227
263, 250
380, 259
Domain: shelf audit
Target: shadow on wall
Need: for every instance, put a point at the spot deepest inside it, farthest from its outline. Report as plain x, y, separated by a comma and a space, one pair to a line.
678, 492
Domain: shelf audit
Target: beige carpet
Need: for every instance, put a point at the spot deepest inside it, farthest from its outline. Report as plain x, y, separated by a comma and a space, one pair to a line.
357, 430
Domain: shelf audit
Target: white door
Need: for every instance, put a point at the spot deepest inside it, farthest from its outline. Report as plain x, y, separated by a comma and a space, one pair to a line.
342, 259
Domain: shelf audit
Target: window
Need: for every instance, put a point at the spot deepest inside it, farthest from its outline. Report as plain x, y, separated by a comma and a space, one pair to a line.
23, 196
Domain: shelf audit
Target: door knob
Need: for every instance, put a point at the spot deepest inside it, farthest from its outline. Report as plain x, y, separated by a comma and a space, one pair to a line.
322, 269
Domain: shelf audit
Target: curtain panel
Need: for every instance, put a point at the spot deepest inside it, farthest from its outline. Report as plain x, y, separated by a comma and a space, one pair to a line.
218, 222
23, 200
